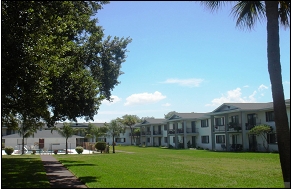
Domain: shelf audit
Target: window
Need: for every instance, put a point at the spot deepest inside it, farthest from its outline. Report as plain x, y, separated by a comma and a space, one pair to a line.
101, 139
234, 119
204, 123
205, 139
270, 116
219, 121
166, 139
220, 138
174, 140
149, 140
120, 140
272, 138
165, 127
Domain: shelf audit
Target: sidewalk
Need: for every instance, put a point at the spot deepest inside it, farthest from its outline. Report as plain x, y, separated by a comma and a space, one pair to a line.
58, 175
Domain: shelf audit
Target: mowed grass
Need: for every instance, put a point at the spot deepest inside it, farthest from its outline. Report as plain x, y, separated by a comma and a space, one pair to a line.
23, 171
137, 167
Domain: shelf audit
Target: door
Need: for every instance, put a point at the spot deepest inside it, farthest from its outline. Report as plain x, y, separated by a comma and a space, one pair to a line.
193, 127
41, 143
193, 142
252, 143
160, 141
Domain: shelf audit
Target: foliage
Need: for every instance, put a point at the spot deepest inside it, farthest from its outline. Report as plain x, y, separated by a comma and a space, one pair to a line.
66, 131
56, 151
262, 130
23, 172
130, 120
170, 114
3, 145
93, 131
9, 150
57, 64
79, 149
276, 13
115, 127
100, 146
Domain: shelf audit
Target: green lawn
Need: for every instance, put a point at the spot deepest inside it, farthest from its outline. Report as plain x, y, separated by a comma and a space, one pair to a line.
151, 167
23, 171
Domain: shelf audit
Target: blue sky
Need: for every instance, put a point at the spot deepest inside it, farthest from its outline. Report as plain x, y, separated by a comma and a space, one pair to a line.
185, 58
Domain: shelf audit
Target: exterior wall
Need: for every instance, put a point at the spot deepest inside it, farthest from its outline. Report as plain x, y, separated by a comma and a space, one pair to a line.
204, 131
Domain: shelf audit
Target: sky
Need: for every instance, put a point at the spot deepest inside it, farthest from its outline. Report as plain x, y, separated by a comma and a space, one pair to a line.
185, 58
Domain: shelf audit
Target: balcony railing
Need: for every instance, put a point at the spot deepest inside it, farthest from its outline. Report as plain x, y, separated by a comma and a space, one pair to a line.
234, 127
148, 133
180, 131
250, 126
171, 131
157, 132
190, 130
219, 128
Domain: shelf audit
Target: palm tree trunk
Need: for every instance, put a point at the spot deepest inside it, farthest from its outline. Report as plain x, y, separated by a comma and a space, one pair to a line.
131, 135
274, 67
66, 145
113, 149
22, 151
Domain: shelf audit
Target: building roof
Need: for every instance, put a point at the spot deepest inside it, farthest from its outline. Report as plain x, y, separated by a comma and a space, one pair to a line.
41, 134
153, 121
192, 115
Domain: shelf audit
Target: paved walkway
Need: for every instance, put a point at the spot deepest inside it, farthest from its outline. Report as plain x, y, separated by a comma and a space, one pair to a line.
58, 175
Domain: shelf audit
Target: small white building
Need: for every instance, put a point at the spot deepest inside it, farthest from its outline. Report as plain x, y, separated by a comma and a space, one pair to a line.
42, 140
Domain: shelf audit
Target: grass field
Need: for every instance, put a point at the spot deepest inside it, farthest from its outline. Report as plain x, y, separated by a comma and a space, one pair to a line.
137, 167
23, 171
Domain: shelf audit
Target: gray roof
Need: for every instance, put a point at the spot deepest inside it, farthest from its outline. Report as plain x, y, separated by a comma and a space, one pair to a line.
153, 121
41, 134
188, 116
80, 125
246, 106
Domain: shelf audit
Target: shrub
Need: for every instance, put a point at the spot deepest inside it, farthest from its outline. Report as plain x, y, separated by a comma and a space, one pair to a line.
79, 149
55, 151
9, 150
100, 146
3, 145
33, 151
171, 146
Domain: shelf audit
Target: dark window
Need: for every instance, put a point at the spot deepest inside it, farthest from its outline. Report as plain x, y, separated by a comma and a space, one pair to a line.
270, 116
204, 123
166, 139
220, 138
174, 140
234, 119
149, 140
272, 138
204, 139
165, 127
219, 121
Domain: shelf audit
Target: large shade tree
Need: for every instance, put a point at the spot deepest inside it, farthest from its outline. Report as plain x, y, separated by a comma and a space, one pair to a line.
276, 13
56, 62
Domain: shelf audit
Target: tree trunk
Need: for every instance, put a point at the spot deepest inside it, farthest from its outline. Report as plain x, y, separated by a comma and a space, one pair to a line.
113, 149
66, 145
131, 135
22, 151
274, 67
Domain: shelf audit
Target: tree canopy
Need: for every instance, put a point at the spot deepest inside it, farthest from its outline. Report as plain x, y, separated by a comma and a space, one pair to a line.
57, 64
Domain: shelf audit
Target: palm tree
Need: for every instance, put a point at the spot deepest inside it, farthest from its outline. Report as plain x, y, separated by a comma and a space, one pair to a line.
247, 13
66, 131
115, 127
130, 120
28, 127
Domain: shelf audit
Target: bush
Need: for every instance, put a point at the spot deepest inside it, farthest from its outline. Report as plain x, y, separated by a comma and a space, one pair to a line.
100, 146
55, 151
3, 145
33, 151
79, 149
9, 150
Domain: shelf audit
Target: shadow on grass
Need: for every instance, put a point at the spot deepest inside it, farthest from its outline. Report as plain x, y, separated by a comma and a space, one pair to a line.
89, 179
23, 172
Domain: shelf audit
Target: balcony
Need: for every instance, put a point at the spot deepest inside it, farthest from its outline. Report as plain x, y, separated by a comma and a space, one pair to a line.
234, 127
157, 132
171, 131
179, 131
148, 133
190, 130
250, 126
219, 128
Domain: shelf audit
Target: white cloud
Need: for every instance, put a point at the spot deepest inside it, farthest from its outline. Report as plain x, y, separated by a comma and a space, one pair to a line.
262, 87
193, 82
246, 86
233, 96
114, 100
144, 98
166, 104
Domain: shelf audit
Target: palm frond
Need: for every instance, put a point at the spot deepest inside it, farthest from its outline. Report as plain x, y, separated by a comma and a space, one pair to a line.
213, 5
248, 12
284, 13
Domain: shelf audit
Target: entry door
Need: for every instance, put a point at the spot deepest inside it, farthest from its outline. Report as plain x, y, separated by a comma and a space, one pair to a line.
252, 142
194, 141
160, 141
41, 143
